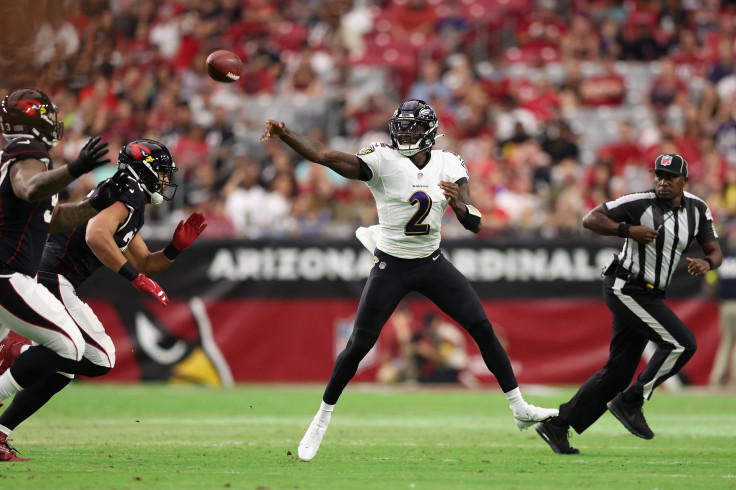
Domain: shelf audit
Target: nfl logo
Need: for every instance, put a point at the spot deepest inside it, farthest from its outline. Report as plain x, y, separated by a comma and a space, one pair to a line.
382, 265
420, 175
666, 160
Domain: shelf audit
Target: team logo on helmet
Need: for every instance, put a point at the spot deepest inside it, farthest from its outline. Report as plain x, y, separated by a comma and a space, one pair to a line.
29, 106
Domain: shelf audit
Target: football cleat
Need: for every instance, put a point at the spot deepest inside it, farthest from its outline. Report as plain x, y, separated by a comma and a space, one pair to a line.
309, 445
8, 454
529, 415
10, 350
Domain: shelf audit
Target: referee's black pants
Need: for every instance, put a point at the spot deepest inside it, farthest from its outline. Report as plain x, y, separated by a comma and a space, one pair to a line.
390, 280
639, 315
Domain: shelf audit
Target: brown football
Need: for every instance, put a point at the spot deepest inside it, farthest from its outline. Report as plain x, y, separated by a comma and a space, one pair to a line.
224, 66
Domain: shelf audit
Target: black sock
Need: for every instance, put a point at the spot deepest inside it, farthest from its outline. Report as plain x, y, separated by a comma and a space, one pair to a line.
38, 362
29, 400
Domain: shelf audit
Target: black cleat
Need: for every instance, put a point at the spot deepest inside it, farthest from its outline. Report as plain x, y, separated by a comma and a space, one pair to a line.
631, 416
555, 436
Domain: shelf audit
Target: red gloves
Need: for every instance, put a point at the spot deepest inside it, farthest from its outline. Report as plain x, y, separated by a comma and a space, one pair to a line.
142, 283
186, 233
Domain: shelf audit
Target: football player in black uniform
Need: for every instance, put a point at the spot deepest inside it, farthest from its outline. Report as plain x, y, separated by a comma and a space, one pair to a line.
28, 212
111, 238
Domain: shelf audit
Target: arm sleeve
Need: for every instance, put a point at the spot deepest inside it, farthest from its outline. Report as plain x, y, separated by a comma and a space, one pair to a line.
366, 173
370, 160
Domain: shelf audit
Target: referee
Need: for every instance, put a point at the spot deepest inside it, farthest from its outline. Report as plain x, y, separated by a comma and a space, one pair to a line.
657, 227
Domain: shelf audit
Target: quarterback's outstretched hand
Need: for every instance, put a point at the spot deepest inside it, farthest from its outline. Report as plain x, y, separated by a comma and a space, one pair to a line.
90, 157
187, 232
142, 283
274, 129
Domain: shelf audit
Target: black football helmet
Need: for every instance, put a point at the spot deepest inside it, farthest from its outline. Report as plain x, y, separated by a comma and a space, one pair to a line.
151, 164
29, 112
413, 127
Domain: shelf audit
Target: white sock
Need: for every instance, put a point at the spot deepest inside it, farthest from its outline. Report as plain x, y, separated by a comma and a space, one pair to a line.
325, 411
5, 431
8, 386
516, 401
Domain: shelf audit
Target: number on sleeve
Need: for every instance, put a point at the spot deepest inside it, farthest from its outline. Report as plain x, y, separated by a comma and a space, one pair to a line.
415, 226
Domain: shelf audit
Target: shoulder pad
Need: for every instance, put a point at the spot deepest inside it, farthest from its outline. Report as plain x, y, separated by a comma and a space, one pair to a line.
24, 149
134, 196
372, 148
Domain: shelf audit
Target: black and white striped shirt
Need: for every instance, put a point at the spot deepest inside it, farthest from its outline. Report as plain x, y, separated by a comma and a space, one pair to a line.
655, 262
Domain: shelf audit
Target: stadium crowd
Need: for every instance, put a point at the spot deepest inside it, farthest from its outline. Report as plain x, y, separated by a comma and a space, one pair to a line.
555, 105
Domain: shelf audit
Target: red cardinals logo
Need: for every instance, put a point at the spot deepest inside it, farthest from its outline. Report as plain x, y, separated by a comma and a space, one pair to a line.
666, 160
138, 151
28, 106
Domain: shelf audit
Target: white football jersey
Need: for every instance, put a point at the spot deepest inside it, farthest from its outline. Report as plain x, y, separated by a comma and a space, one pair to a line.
409, 200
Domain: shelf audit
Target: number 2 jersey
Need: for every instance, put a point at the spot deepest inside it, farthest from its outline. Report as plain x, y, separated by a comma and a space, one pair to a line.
409, 200
68, 254
23, 225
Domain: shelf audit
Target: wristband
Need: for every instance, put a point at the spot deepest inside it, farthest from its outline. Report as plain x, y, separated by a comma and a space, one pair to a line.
170, 252
623, 230
128, 271
472, 218
710, 262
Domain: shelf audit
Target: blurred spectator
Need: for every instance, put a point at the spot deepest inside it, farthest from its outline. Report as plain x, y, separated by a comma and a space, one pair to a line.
396, 361
244, 197
581, 41
429, 86
607, 88
559, 143
622, 152
57, 40
667, 89
439, 351
414, 17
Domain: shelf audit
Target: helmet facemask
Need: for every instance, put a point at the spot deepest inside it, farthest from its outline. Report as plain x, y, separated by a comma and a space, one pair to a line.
156, 181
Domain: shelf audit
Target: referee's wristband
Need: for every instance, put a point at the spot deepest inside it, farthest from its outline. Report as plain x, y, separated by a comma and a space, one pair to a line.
710, 262
623, 230
170, 252
128, 271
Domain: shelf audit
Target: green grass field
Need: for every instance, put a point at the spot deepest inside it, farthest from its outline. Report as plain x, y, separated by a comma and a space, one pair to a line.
160, 436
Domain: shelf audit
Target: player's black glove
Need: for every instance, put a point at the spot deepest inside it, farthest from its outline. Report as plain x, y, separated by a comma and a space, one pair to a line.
90, 157
109, 191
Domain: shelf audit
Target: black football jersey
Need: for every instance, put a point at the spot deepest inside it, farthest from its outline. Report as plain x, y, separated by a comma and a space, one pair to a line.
68, 254
23, 225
